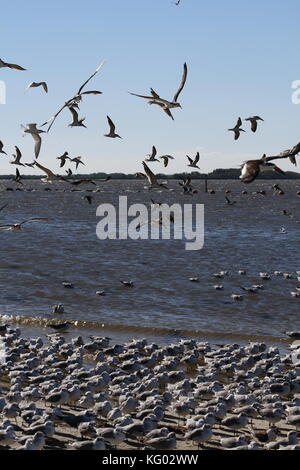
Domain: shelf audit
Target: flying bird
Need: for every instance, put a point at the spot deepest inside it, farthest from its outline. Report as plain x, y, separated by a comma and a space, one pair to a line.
237, 129
10, 66
253, 120
166, 159
252, 168
18, 176
50, 175
37, 84
76, 121
63, 159
290, 153
77, 160
17, 156
152, 156
193, 163
32, 129
1, 148
75, 99
152, 178
166, 105
18, 226
112, 128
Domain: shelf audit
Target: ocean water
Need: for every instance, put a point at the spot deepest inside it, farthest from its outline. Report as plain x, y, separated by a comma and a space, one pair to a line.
163, 302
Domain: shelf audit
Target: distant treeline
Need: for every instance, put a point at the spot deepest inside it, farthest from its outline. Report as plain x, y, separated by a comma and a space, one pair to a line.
218, 174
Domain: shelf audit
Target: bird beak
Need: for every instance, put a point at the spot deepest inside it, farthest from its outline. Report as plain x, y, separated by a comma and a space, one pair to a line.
279, 170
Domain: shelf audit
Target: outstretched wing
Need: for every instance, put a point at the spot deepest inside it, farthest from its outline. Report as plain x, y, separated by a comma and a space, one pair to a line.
197, 158
182, 83
290, 153
151, 176
33, 220
93, 74
44, 169
111, 125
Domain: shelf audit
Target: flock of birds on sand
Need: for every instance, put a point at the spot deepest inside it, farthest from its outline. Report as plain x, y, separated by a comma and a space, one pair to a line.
90, 395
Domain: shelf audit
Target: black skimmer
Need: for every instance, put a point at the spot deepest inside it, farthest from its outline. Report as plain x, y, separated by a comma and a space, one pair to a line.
17, 156
76, 121
165, 104
37, 84
50, 175
77, 160
1, 148
152, 155
112, 128
63, 159
166, 159
18, 177
253, 120
193, 163
237, 129
10, 66
75, 99
252, 168
152, 178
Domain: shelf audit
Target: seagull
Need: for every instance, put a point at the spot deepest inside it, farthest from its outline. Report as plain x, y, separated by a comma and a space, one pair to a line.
50, 175
112, 128
31, 129
18, 156
237, 129
253, 120
36, 84
18, 226
165, 104
75, 99
76, 122
1, 148
63, 159
152, 156
77, 160
166, 159
152, 178
252, 168
11, 66
193, 163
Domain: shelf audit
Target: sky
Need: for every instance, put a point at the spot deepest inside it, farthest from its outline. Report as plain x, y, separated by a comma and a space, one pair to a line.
242, 58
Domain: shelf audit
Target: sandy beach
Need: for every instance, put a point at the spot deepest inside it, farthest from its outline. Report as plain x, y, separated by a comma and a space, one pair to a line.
69, 391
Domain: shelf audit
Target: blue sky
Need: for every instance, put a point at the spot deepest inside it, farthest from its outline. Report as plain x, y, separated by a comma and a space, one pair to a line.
242, 58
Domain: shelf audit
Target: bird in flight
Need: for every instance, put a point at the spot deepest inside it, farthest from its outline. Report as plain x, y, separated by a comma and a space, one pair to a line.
37, 84
166, 105
76, 121
10, 66
253, 120
152, 178
1, 148
18, 226
63, 159
166, 159
32, 129
50, 175
77, 160
18, 176
252, 168
112, 128
193, 163
17, 156
152, 156
237, 129
75, 99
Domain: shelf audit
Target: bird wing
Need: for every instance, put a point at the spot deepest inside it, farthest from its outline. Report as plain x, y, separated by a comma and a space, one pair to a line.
74, 113
151, 176
45, 86
111, 125
93, 74
182, 83
197, 158
190, 159
91, 92
44, 169
142, 96
38, 143
239, 122
290, 153
166, 161
33, 220
18, 154
14, 66
154, 94
153, 152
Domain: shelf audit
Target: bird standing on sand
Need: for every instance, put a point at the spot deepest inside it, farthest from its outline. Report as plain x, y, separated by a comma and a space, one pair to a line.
237, 129
253, 120
112, 129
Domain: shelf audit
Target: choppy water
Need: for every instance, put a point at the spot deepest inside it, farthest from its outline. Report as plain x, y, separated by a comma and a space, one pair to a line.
36, 260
